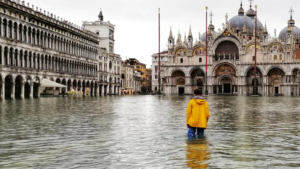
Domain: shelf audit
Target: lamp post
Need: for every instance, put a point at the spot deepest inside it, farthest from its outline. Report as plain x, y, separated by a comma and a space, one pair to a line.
158, 51
206, 91
255, 88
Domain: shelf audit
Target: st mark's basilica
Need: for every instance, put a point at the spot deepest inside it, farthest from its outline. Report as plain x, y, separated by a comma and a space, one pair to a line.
231, 59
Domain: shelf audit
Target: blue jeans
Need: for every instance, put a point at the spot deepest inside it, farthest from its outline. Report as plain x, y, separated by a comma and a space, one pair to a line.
192, 132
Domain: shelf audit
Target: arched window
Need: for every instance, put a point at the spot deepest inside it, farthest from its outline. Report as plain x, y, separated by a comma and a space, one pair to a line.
181, 60
200, 60
275, 57
20, 32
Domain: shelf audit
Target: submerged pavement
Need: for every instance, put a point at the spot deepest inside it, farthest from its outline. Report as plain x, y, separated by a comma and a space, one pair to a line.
148, 132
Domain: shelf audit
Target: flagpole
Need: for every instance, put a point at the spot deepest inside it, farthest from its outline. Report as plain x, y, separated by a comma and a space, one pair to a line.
206, 90
159, 51
255, 89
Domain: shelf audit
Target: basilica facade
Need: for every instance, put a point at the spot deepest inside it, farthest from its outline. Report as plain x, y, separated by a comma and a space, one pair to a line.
231, 58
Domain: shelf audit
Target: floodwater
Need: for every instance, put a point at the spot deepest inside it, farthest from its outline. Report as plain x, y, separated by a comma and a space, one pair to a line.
148, 132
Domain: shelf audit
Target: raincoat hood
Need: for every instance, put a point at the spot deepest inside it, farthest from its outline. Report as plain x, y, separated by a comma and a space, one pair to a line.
199, 100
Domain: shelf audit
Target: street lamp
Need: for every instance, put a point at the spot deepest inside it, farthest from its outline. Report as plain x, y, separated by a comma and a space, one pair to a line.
158, 51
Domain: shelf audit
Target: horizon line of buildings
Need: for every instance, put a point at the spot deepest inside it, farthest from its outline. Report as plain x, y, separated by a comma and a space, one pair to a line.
37, 47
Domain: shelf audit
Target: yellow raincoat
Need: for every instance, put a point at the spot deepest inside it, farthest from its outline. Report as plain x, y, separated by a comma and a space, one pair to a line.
197, 113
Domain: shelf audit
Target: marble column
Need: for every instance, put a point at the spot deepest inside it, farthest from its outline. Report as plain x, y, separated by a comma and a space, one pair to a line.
13, 88
2, 56
38, 92
2, 91
31, 90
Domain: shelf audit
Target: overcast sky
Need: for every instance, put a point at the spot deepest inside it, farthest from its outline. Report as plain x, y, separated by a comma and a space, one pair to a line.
136, 33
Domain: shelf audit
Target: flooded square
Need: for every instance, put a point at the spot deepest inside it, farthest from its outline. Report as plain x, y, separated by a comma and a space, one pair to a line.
148, 132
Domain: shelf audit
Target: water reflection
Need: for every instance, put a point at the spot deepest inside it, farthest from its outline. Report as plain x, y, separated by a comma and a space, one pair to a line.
197, 153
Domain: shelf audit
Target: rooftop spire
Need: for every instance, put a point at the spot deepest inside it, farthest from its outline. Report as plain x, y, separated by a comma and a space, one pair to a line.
291, 22
265, 29
171, 35
100, 16
190, 32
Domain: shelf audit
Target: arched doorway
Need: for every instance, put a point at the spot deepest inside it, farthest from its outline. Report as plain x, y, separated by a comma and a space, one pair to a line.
227, 50
64, 82
197, 79
250, 80
8, 86
36, 88
88, 89
92, 89
178, 82
83, 88
225, 76
58, 81
27, 87
226, 84
18, 87
276, 78
79, 85
75, 85
69, 85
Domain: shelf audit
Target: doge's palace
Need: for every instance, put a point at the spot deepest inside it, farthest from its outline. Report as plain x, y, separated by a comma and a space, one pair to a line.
37, 45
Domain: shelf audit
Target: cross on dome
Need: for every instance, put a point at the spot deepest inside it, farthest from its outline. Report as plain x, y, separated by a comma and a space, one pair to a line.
250, 3
291, 11
211, 15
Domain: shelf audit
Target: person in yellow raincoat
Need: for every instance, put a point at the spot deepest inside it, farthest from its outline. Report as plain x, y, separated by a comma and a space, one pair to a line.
197, 114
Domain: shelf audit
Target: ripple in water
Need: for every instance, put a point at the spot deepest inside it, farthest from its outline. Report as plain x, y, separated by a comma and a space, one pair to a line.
148, 132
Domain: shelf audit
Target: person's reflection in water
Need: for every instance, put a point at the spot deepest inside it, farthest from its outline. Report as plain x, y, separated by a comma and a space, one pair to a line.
197, 153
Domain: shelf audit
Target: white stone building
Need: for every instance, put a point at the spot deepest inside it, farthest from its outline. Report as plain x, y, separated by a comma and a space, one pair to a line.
137, 81
231, 59
109, 73
109, 62
127, 78
36, 45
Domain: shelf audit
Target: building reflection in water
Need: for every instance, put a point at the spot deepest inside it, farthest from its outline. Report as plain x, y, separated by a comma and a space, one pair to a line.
197, 153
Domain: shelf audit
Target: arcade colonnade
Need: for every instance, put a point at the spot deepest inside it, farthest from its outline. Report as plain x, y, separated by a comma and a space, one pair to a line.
21, 86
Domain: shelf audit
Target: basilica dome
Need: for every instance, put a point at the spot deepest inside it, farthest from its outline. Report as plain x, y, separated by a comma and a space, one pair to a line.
294, 29
203, 36
238, 22
211, 27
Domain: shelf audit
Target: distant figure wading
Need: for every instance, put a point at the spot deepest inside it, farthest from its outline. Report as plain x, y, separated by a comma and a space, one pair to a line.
197, 115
